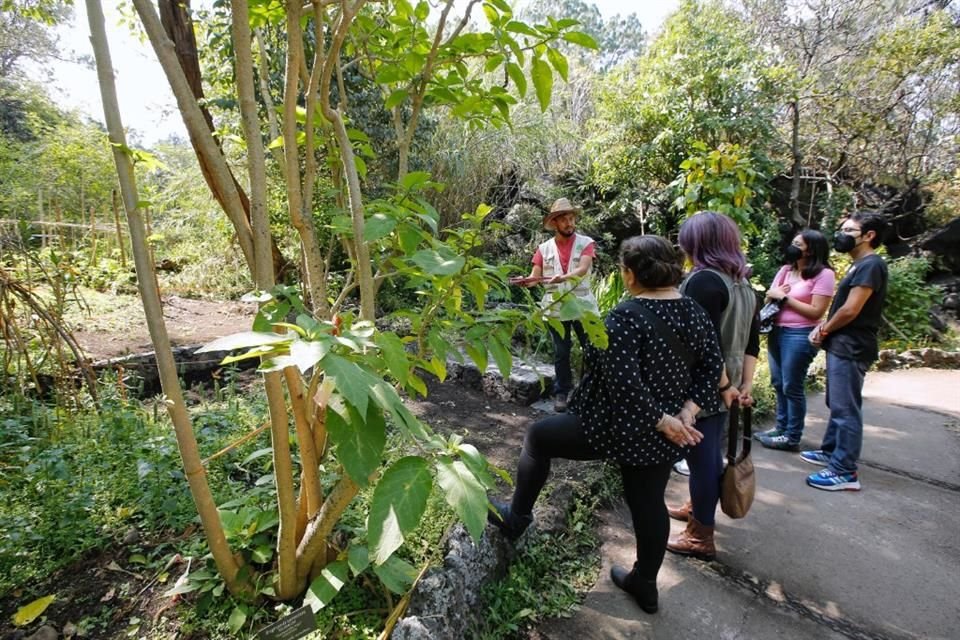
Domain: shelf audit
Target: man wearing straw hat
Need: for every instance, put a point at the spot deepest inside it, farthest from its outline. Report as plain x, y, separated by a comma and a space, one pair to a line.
564, 263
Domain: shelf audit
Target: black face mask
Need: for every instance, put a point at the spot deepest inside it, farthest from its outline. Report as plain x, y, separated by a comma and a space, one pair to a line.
793, 253
844, 242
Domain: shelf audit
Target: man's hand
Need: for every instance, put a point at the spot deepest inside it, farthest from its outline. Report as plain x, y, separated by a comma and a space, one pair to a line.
816, 336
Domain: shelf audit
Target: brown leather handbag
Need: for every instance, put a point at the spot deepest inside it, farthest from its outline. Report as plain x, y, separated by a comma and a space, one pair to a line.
738, 483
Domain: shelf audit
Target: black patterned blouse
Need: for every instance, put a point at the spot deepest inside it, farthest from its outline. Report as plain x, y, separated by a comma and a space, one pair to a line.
638, 378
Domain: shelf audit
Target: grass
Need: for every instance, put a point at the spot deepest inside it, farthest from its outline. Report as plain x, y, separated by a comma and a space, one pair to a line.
551, 570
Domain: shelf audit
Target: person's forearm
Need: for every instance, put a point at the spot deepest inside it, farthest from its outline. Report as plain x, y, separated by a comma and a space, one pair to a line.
804, 309
840, 319
749, 367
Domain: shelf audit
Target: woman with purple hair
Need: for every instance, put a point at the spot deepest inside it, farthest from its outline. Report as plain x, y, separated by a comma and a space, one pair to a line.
719, 284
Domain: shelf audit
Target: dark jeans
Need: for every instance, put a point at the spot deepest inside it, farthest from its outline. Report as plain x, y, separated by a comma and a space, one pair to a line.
790, 356
562, 345
706, 467
561, 436
844, 437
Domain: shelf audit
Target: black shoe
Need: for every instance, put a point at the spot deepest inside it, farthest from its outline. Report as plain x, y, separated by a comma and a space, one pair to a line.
503, 518
643, 591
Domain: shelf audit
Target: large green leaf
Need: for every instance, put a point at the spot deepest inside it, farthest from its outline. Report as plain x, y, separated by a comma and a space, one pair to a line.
396, 574
358, 558
477, 463
305, 354
580, 38
464, 493
359, 441
399, 502
243, 340
438, 263
501, 355
395, 355
559, 62
350, 380
327, 585
542, 81
378, 226
516, 74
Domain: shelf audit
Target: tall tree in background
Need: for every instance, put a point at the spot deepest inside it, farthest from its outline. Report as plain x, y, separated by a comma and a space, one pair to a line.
700, 81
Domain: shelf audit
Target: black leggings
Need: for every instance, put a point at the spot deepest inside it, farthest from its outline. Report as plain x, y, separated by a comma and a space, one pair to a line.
561, 436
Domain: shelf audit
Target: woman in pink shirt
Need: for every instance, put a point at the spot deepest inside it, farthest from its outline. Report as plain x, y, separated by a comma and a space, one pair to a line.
805, 285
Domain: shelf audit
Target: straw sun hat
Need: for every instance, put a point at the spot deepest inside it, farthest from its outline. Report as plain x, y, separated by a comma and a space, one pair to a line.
559, 208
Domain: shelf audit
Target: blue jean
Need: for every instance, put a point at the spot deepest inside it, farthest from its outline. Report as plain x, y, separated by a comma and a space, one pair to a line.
844, 437
706, 466
562, 346
790, 355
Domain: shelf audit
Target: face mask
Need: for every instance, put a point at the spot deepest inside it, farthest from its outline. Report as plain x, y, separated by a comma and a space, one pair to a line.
844, 242
793, 253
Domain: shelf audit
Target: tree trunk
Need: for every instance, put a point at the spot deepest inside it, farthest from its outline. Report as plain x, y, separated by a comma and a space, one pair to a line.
176, 21
239, 583
797, 156
205, 145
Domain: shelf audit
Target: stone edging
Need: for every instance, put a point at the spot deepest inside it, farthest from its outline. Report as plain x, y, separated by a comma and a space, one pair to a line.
890, 359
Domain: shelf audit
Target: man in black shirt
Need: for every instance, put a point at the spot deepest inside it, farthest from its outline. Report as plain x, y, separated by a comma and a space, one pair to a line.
849, 336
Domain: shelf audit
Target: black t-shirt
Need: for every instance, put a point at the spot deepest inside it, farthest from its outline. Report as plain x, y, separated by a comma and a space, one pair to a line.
858, 340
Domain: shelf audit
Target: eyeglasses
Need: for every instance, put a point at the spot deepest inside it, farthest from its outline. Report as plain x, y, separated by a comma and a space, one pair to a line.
850, 230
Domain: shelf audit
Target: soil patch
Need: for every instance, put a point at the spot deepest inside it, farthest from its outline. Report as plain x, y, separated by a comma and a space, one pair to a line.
121, 328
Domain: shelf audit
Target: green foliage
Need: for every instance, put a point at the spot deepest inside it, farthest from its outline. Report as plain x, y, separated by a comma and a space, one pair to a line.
701, 79
908, 302
608, 291
722, 180
551, 570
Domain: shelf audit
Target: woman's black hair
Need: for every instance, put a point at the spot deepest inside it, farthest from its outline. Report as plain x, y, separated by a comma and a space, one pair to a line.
653, 261
819, 253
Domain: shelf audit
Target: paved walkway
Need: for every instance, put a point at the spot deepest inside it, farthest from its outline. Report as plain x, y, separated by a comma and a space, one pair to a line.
883, 563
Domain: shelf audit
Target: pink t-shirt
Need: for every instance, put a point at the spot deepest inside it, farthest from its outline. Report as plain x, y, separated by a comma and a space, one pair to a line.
802, 291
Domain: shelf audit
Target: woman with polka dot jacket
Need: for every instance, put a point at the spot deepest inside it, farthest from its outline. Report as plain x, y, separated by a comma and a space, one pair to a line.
635, 406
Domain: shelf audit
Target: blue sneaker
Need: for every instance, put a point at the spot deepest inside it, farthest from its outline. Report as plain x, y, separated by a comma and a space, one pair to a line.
829, 481
815, 457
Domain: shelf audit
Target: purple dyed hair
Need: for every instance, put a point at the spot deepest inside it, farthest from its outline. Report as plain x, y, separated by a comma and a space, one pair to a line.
712, 240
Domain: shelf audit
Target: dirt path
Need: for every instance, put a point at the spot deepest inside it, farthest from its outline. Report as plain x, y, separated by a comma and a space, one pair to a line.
122, 329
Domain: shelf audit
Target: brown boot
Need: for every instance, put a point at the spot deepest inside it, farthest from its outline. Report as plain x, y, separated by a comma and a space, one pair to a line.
682, 512
696, 541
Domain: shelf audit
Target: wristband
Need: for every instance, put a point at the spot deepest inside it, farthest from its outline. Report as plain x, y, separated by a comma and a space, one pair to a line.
725, 387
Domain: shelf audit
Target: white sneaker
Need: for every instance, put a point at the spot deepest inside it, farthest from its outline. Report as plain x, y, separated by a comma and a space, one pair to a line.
682, 468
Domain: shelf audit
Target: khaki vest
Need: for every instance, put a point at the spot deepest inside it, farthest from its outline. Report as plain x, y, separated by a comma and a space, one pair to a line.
551, 268
734, 325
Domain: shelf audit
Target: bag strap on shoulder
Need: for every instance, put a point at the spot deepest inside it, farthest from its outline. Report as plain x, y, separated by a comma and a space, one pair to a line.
665, 332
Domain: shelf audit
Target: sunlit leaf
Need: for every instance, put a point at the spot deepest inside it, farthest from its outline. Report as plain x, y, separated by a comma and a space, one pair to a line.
464, 493
30, 612
327, 585
542, 81
243, 340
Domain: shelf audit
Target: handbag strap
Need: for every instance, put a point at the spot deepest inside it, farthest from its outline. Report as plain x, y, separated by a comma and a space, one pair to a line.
666, 333
734, 415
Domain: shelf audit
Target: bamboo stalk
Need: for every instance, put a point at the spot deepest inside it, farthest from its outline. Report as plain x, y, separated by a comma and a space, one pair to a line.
239, 583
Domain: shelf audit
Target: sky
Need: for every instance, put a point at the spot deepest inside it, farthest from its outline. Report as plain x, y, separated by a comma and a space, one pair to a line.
146, 103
